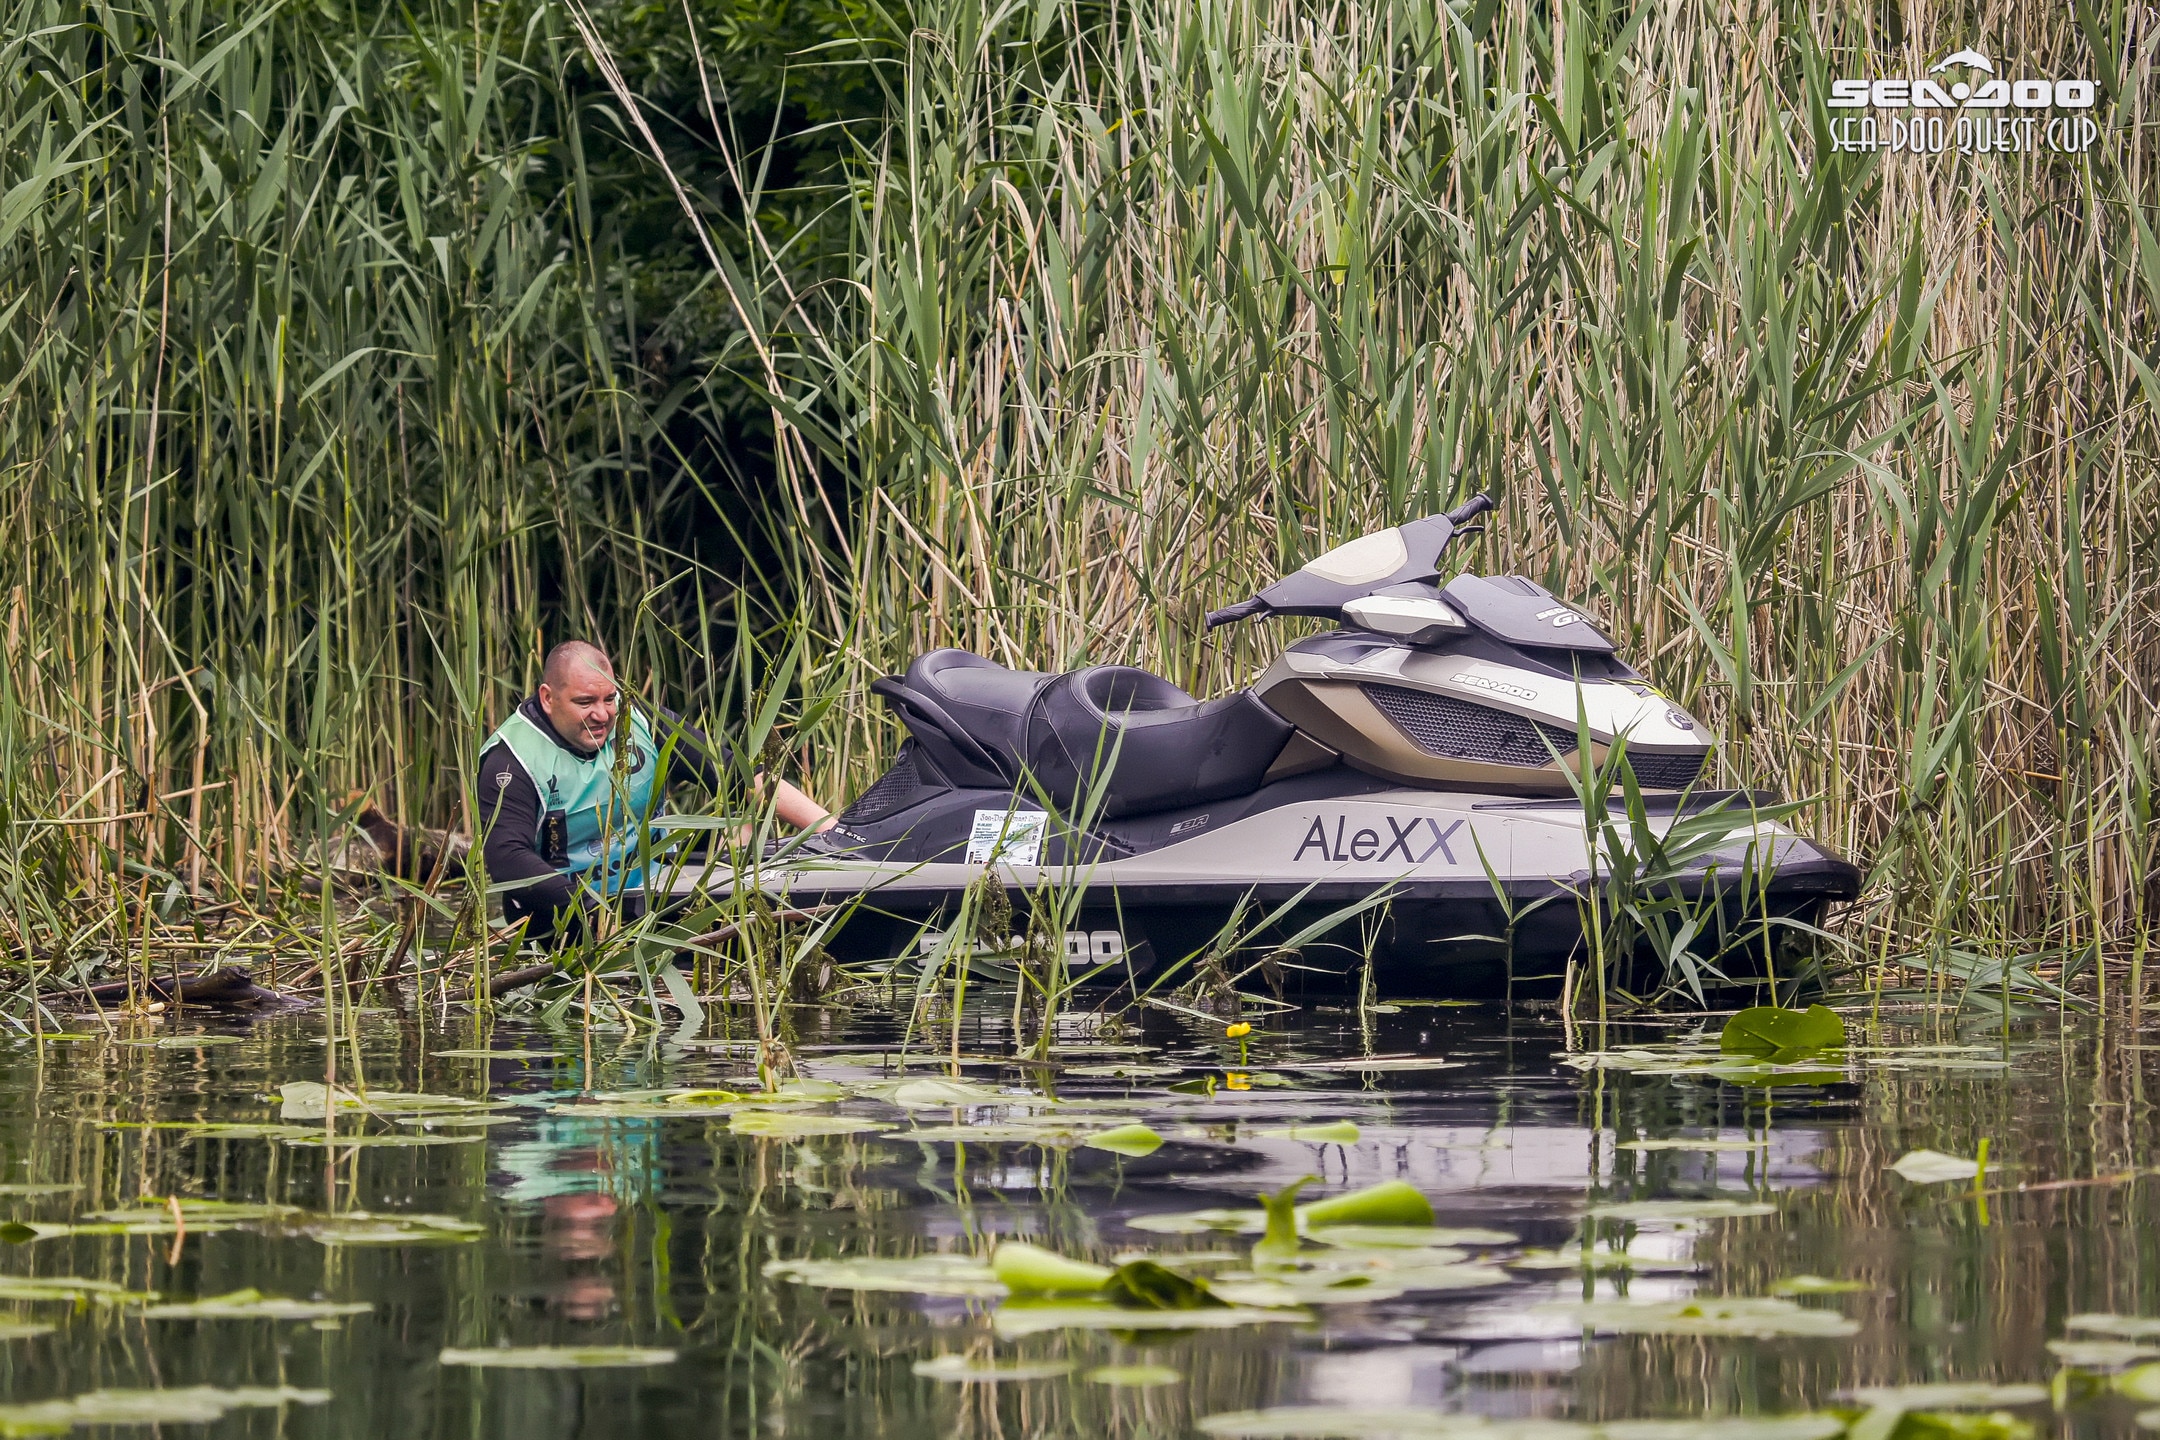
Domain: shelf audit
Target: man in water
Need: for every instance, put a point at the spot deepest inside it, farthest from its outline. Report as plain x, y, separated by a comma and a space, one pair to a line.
562, 791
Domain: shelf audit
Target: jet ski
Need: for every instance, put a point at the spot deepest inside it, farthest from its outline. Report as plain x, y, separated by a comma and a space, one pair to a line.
1407, 789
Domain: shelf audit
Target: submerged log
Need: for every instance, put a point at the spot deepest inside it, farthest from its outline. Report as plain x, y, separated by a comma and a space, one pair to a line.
228, 988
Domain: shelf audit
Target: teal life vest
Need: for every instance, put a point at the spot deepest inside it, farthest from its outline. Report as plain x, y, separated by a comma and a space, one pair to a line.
605, 811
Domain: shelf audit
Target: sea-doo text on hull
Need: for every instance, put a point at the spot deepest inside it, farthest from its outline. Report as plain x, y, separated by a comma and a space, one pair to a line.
1419, 774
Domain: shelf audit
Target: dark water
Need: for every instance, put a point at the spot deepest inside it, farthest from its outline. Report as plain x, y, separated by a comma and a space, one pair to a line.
655, 1232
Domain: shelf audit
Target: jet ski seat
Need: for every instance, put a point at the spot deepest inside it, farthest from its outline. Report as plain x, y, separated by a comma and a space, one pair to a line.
1149, 744
1152, 745
968, 713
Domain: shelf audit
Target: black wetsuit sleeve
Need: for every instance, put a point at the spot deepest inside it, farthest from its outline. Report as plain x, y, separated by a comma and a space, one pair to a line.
510, 830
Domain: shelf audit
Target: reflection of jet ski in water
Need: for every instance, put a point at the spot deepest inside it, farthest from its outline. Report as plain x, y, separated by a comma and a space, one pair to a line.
1413, 750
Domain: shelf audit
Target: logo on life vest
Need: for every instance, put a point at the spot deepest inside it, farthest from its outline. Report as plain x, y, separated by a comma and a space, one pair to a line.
1413, 841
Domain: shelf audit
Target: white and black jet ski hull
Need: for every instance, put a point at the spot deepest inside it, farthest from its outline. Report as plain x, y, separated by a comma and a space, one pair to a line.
1480, 889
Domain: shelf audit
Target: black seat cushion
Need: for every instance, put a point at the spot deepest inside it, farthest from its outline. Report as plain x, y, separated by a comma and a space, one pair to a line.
1153, 746
990, 702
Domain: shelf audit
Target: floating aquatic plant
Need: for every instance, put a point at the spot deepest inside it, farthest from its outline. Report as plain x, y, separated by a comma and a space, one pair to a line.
1133, 1377
1027, 1269
1932, 1167
1134, 1141
964, 1369
1330, 1132
1751, 1316
191, 1405
1781, 1036
254, 1305
1642, 1212
961, 1275
559, 1357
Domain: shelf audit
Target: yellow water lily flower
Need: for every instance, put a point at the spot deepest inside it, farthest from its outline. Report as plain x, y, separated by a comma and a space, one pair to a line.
1238, 1031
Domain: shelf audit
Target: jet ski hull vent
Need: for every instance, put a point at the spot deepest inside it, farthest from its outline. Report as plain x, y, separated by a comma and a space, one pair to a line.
1667, 772
1458, 730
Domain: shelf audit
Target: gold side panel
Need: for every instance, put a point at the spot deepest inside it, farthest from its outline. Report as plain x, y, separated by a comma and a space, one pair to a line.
1300, 756
1337, 714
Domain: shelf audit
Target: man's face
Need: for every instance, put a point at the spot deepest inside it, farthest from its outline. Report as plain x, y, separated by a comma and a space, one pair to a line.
582, 709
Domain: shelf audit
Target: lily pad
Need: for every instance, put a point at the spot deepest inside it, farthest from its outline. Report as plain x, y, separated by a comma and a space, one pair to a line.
1727, 1427
2123, 1327
13, 1329
961, 1275
1599, 1261
1947, 1395
1123, 1072
780, 1125
361, 1227
254, 1305
185, 1042
1129, 1140
1781, 1036
2101, 1354
1133, 1377
193, 1405
1748, 1316
1331, 1132
309, 1100
1023, 1132
71, 1288
1017, 1318
1654, 1211
1391, 1202
497, 1054
2141, 1384
947, 1095
559, 1357
246, 1130
1818, 1285
1932, 1167
967, 1370
27, 1188
1422, 1237
1704, 1144
1031, 1270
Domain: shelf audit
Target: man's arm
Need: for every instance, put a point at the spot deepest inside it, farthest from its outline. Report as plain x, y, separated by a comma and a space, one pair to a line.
510, 838
695, 755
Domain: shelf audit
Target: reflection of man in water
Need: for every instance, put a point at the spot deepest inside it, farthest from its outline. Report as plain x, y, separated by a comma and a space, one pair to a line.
576, 1170
578, 1229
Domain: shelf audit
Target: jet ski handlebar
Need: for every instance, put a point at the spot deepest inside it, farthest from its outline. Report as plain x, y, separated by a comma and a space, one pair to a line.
1231, 614
1470, 509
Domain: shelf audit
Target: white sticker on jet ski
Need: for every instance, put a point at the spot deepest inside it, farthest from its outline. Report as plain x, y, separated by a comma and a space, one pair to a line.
1011, 837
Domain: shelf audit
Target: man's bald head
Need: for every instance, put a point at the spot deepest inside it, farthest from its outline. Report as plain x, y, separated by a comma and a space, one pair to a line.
573, 657
577, 693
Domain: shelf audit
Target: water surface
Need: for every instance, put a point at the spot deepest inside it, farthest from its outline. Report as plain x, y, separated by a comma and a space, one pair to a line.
656, 1231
